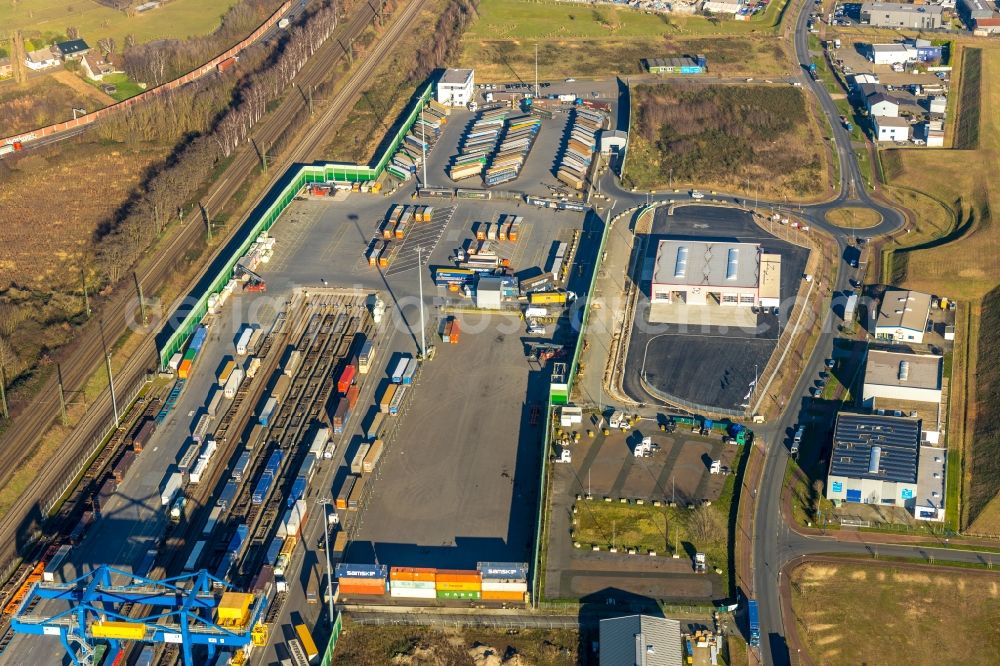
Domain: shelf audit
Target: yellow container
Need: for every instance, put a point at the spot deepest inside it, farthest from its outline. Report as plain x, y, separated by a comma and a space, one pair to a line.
129, 631
537, 297
234, 605
446, 586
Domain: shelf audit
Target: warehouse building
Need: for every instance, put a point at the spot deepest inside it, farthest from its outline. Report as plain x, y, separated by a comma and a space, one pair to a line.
900, 15
455, 87
902, 376
929, 504
903, 316
973, 11
874, 460
684, 65
893, 54
693, 272
640, 640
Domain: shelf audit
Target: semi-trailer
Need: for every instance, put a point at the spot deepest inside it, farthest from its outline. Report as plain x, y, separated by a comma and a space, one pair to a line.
243, 343
400, 369
357, 463
346, 486
170, 489
228, 495
227, 369
242, 463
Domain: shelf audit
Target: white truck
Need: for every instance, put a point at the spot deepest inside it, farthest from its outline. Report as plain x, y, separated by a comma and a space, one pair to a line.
170, 489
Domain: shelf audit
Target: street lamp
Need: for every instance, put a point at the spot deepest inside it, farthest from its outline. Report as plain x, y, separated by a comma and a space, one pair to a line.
329, 575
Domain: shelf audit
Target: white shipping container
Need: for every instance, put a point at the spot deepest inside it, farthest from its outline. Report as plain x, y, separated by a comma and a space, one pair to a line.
213, 404
293, 362
170, 489
233, 384
320, 439
55, 564
244, 341
504, 587
535, 311
253, 367
175, 361
412, 593
194, 476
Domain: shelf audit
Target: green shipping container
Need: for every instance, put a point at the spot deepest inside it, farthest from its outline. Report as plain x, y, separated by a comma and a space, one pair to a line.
458, 594
190, 354
413, 584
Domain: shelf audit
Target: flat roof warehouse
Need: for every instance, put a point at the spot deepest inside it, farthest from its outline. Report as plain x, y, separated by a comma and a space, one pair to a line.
704, 263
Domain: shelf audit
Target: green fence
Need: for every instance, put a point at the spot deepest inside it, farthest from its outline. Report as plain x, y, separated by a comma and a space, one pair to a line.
338, 626
307, 173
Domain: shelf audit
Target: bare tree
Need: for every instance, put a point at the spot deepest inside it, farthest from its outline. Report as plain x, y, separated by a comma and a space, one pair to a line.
72, 32
704, 525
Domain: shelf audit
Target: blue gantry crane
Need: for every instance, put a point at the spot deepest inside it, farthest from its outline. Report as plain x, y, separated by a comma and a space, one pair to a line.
192, 609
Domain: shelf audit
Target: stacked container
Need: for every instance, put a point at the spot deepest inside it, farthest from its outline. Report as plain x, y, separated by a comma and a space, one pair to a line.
194, 347
578, 150
362, 579
519, 137
412, 583
477, 145
457, 584
504, 581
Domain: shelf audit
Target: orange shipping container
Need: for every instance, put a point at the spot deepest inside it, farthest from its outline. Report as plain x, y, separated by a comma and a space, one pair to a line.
387, 229
362, 582
457, 576
481, 231
412, 573
367, 590
502, 596
512, 232
455, 331
185, 369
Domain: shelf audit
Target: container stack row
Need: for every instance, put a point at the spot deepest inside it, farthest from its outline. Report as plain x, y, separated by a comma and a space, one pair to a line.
419, 141
580, 145
479, 142
397, 223
191, 353
519, 137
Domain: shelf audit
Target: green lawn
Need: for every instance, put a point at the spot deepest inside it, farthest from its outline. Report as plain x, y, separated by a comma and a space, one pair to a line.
178, 18
126, 86
552, 20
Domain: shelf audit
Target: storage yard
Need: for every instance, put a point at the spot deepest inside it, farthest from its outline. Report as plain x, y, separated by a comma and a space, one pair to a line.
302, 383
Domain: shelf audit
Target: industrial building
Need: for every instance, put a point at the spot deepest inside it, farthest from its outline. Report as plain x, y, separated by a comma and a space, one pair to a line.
695, 272
893, 54
683, 65
929, 504
640, 640
881, 105
903, 315
900, 15
902, 376
874, 460
455, 87
973, 11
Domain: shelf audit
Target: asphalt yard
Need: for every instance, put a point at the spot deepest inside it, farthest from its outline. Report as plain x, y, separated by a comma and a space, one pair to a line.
710, 364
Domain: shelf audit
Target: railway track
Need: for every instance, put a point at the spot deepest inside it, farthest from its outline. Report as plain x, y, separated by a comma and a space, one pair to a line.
20, 524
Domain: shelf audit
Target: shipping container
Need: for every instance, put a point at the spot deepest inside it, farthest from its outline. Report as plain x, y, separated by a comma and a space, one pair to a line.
192, 560
242, 463
486, 595
170, 489
263, 488
214, 402
243, 343
421, 574
397, 400
308, 467
371, 458
255, 338
256, 433
201, 427
346, 486
268, 411
458, 594
387, 396
340, 542
353, 394
213, 520
51, 573
341, 416
184, 369
274, 549
227, 369
123, 465
376, 426
357, 463
281, 386
346, 378
233, 384
143, 435
305, 637
400, 370
319, 442
359, 588
292, 364
411, 370
366, 357
298, 490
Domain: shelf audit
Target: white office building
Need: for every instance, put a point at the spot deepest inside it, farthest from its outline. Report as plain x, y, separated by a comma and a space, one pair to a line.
695, 272
455, 87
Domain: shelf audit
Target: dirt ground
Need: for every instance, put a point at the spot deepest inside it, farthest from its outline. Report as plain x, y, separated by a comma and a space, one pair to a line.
855, 613
446, 646
83, 88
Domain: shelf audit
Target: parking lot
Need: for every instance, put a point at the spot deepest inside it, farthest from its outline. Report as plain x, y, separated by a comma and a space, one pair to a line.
605, 467
710, 365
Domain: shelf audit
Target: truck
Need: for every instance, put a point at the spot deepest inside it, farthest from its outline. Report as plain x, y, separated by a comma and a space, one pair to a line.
800, 432
753, 619
312, 589
308, 644
411, 370
177, 510
811, 67
401, 365
170, 489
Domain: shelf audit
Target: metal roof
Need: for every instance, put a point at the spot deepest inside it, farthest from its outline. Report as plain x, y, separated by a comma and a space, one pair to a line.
897, 440
903, 309
885, 368
640, 640
900, 7
456, 76
707, 263
72, 46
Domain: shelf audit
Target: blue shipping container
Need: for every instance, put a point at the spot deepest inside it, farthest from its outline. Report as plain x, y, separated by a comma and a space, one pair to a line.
228, 495
263, 488
274, 549
753, 618
236, 543
274, 463
298, 490
308, 467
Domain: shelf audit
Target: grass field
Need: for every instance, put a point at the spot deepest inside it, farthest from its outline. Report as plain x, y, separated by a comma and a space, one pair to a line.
177, 18
659, 529
362, 645
952, 251
40, 101
588, 40
126, 86
701, 135
930, 617
854, 218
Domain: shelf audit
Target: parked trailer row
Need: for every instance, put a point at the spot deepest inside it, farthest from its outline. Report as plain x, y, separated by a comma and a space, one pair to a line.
477, 144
